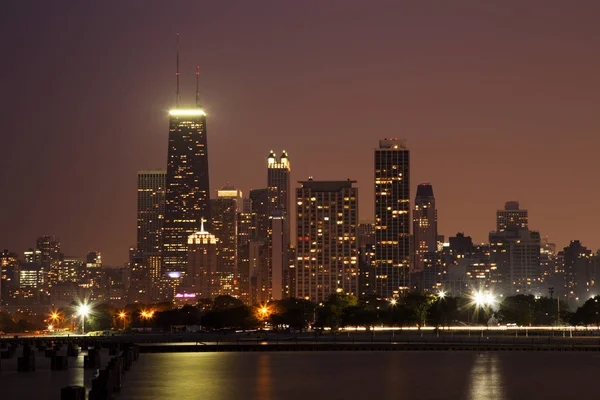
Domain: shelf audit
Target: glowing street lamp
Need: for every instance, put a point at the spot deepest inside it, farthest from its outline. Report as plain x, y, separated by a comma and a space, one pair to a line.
441, 294
122, 315
393, 302
83, 311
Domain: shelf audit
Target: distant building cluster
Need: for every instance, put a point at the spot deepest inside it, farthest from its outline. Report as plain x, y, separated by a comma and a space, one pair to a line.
191, 246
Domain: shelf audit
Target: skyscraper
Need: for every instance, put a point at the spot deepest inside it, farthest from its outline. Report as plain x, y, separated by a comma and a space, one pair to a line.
202, 278
243, 252
187, 185
225, 209
327, 239
516, 252
49, 258
392, 218
425, 261
150, 210
278, 183
512, 217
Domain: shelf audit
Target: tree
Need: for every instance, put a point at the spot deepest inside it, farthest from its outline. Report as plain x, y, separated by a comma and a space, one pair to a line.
588, 313
443, 311
330, 315
517, 309
418, 304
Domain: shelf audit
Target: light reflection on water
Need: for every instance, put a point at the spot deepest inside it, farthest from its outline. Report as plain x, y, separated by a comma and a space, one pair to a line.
486, 378
369, 375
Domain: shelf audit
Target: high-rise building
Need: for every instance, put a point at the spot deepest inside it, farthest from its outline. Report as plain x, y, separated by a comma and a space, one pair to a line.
511, 218
425, 261
366, 255
259, 253
187, 185
244, 233
580, 273
225, 209
392, 218
516, 252
150, 210
202, 279
49, 258
9, 276
327, 239
278, 184
260, 213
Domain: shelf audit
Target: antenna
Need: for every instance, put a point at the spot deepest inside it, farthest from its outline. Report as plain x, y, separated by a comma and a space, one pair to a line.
197, 87
177, 73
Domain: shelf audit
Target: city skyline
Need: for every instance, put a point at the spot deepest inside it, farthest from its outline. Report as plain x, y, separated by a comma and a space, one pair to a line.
456, 151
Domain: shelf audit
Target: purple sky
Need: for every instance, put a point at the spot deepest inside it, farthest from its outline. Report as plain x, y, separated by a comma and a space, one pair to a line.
497, 100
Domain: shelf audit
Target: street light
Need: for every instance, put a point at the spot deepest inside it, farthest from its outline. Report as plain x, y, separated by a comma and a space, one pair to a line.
393, 302
122, 315
83, 310
441, 294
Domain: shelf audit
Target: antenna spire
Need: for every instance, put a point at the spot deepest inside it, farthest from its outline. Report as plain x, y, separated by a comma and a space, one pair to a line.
197, 87
177, 73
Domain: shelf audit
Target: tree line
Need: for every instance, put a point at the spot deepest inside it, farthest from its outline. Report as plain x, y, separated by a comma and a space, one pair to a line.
339, 311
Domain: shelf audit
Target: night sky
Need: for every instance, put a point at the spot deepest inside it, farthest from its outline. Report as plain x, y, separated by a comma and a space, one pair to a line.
498, 101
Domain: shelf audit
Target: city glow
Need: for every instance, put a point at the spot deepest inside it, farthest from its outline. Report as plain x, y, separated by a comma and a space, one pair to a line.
190, 112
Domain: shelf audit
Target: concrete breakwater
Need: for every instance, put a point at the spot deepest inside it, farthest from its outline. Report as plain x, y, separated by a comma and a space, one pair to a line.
66, 368
307, 347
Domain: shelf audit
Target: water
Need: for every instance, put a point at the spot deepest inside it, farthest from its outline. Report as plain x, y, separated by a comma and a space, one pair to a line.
362, 375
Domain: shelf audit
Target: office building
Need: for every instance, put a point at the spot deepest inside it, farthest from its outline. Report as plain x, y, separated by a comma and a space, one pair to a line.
426, 263
327, 239
511, 218
48, 248
392, 218
225, 209
202, 279
187, 186
150, 211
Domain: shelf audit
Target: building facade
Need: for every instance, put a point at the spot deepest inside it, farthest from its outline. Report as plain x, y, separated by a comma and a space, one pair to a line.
392, 218
187, 186
327, 239
150, 210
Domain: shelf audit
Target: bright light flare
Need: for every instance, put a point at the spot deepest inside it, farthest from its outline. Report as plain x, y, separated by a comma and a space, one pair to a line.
441, 294
54, 316
483, 299
393, 302
50, 327
83, 310
122, 315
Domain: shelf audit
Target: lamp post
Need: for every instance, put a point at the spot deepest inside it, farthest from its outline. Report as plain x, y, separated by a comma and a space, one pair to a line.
122, 315
83, 310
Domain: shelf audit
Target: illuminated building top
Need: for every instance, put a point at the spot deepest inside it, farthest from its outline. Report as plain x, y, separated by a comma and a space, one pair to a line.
187, 113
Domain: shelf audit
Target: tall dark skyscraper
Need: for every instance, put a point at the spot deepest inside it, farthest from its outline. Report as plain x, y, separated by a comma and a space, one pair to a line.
425, 261
150, 211
392, 218
278, 186
49, 258
278, 183
187, 195
225, 209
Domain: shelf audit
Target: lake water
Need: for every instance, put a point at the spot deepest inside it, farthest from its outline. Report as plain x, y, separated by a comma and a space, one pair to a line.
362, 375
